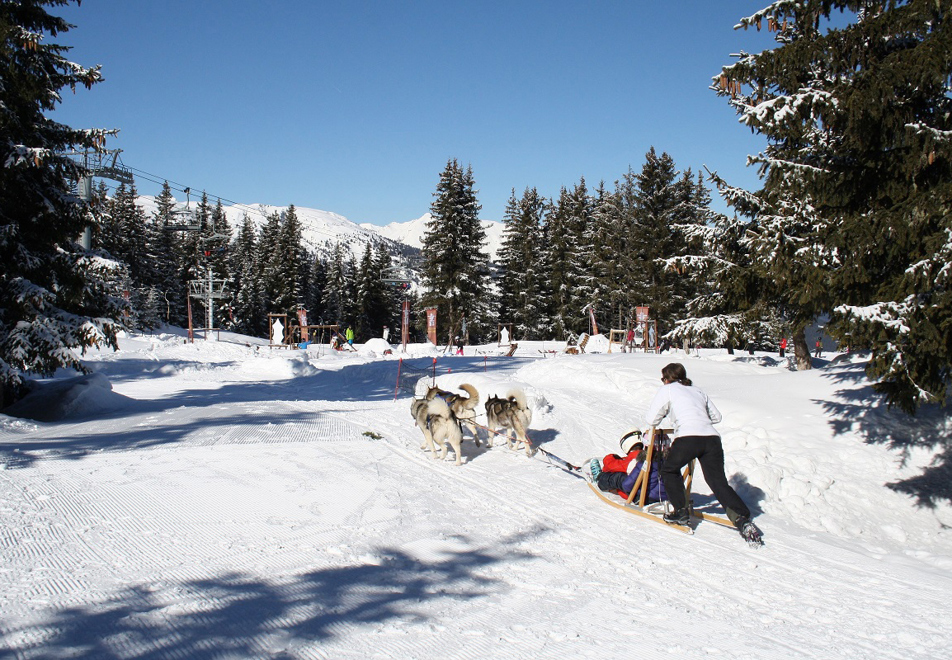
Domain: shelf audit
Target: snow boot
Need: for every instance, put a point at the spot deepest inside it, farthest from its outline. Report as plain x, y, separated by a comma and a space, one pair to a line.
592, 469
677, 517
749, 531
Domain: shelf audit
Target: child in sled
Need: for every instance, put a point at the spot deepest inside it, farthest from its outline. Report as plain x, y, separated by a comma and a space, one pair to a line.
619, 473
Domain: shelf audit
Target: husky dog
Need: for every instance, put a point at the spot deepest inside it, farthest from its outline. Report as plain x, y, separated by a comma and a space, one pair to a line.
418, 411
510, 414
463, 407
442, 428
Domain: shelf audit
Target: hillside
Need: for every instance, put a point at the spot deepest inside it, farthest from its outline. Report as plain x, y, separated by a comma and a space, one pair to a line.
224, 499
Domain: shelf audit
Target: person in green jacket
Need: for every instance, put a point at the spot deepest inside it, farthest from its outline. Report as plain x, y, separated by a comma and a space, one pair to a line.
349, 335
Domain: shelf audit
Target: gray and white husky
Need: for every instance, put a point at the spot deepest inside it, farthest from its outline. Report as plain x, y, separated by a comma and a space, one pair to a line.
510, 414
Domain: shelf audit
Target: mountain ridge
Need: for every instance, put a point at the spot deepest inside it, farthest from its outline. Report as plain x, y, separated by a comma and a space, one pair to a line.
320, 230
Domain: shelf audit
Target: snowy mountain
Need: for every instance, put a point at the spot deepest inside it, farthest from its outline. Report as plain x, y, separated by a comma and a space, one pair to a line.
322, 229
411, 233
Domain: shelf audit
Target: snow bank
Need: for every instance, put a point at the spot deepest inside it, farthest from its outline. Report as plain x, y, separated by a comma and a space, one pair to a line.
376, 347
78, 397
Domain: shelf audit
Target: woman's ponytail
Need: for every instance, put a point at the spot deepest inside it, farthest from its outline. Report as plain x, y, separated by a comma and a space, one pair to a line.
675, 373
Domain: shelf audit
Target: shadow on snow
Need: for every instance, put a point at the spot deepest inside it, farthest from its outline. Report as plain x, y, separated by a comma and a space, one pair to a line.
862, 410
243, 615
373, 382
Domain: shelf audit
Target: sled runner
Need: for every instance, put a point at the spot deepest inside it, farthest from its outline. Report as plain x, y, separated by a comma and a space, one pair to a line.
637, 498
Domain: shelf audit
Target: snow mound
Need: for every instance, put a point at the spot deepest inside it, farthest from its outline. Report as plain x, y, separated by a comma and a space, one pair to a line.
375, 347
82, 396
597, 344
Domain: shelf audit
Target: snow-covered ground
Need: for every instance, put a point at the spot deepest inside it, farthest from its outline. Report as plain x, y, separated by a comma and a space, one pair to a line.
228, 500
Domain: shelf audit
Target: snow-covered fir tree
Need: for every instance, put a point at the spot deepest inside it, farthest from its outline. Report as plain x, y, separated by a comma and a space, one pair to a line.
373, 297
247, 305
349, 293
455, 265
164, 247
566, 251
269, 257
609, 253
523, 286
289, 265
52, 300
314, 291
216, 241
653, 237
391, 298
855, 214
335, 289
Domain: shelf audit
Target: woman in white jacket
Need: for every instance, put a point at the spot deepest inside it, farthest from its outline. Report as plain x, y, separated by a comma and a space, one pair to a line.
693, 416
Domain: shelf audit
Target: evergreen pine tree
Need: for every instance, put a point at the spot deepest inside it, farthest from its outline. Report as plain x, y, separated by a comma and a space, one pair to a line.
216, 244
164, 246
581, 211
372, 296
855, 214
513, 243
51, 300
523, 294
335, 289
248, 313
269, 256
565, 311
289, 263
654, 238
348, 301
314, 295
609, 267
391, 299
455, 266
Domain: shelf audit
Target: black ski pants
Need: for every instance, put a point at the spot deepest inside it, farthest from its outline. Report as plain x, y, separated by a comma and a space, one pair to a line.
710, 454
610, 482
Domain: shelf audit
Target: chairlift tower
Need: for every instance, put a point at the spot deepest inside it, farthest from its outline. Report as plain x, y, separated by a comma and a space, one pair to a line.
399, 279
209, 289
104, 164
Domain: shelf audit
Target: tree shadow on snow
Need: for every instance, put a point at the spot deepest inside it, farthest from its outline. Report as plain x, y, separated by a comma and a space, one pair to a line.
75, 444
244, 615
861, 410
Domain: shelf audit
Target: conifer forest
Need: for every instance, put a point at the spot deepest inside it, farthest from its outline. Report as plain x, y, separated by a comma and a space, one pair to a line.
851, 227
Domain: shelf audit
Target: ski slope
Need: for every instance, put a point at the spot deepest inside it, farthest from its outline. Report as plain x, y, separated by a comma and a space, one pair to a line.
227, 500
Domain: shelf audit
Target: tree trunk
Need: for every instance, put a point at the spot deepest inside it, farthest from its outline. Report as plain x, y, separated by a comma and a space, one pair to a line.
801, 351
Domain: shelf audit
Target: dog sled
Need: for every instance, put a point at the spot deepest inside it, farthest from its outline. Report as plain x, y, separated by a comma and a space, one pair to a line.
637, 501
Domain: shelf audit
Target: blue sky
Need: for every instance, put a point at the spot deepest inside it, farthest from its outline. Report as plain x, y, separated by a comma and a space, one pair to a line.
355, 107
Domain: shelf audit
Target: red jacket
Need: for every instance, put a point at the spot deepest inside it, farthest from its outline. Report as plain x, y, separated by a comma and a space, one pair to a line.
616, 463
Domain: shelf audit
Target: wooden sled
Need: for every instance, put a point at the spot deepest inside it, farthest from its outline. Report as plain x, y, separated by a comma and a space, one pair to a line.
637, 510
640, 489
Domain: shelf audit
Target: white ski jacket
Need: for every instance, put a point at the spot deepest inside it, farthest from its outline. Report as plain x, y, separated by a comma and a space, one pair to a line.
688, 408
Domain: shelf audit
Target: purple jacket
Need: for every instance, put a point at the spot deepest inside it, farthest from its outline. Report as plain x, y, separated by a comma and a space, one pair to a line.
656, 491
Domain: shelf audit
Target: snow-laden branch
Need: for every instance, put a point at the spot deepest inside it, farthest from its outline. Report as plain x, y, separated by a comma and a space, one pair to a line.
923, 129
890, 315
29, 156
